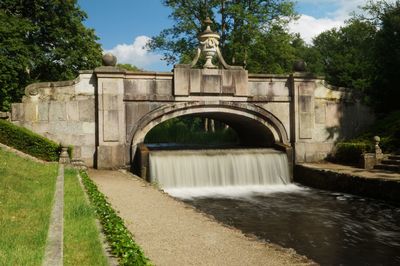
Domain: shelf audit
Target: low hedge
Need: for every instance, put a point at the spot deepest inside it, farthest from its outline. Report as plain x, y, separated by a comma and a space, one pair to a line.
120, 239
26, 141
350, 152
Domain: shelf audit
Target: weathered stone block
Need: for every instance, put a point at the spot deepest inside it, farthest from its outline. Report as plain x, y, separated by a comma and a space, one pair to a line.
332, 114
241, 82
195, 81
17, 112
181, 81
86, 110
306, 125
111, 125
110, 157
104, 157
110, 102
30, 111
43, 108
305, 103
258, 88
211, 83
87, 151
88, 127
72, 111
57, 111
320, 113
163, 87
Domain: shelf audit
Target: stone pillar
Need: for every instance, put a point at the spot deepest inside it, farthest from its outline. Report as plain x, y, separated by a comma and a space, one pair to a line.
110, 130
302, 114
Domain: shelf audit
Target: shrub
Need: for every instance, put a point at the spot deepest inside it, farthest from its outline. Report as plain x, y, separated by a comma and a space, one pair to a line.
350, 152
120, 239
388, 129
26, 141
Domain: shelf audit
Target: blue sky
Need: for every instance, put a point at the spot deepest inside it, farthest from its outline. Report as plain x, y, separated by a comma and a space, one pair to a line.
124, 26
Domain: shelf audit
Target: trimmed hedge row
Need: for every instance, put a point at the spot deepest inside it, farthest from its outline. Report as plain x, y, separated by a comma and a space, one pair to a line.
118, 236
26, 141
350, 152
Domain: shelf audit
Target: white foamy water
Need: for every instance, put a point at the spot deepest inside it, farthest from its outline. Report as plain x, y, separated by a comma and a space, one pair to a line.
206, 172
231, 191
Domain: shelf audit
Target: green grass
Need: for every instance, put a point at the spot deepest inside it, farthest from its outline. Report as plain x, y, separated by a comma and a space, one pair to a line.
81, 237
26, 197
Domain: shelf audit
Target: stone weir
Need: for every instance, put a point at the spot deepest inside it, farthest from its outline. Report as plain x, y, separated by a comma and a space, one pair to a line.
106, 113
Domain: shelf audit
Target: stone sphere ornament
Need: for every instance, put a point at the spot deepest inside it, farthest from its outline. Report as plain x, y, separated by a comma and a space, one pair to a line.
109, 59
377, 139
299, 66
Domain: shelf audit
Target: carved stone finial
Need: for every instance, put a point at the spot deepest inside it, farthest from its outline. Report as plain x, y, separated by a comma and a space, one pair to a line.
209, 42
209, 46
378, 151
64, 156
109, 59
299, 66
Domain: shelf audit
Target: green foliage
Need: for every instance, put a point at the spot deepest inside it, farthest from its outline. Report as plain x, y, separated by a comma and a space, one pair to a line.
120, 239
388, 129
387, 54
252, 32
346, 55
190, 130
363, 55
42, 40
25, 140
129, 67
350, 152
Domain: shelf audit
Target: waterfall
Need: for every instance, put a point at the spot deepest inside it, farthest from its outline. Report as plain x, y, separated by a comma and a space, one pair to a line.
218, 168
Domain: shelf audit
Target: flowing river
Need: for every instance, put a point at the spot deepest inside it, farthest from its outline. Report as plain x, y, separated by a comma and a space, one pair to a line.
250, 190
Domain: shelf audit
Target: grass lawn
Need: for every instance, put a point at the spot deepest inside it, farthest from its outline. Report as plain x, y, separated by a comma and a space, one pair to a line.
26, 196
81, 238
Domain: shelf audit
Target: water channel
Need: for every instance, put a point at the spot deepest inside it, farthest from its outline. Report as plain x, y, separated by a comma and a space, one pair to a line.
329, 228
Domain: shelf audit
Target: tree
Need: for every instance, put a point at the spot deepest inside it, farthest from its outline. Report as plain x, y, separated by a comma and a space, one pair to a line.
346, 55
253, 32
386, 18
42, 40
129, 67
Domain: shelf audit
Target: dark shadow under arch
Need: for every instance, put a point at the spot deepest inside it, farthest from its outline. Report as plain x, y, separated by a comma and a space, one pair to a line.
254, 125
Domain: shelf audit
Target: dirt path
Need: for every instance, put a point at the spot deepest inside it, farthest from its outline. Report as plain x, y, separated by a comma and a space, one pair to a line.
172, 233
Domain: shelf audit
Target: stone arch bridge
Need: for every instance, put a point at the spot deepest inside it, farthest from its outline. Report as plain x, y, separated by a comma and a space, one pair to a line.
106, 112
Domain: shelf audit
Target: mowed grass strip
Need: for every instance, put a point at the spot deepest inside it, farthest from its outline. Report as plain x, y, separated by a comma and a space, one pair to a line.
26, 198
82, 244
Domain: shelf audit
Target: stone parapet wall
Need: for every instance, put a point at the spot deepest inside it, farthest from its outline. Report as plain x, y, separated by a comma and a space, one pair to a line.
63, 112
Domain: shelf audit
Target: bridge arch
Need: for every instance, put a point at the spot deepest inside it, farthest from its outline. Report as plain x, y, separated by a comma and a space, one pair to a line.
253, 124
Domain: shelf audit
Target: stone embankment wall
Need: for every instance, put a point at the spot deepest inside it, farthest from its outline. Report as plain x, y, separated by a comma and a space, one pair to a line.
107, 112
375, 186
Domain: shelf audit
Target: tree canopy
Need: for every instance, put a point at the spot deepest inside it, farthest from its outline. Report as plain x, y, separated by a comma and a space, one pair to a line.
42, 40
363, 55
253, 32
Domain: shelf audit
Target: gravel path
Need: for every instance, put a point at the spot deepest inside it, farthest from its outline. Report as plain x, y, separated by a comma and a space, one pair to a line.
173, 233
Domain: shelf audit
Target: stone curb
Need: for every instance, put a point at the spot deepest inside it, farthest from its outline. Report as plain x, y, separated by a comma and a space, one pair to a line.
54, 244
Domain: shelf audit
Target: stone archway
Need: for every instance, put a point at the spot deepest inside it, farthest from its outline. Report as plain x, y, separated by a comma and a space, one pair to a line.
254, 125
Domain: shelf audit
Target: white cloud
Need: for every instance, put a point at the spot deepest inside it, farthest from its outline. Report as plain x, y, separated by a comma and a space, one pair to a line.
309, 27
135, 53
